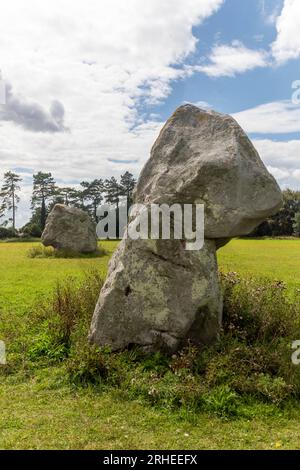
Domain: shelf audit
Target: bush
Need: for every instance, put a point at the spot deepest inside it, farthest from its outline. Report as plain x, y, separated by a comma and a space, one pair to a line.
41, 251
7, 233
253, 355
44, 335
32, 230
250, 361
70, 310
222, 401
296, 224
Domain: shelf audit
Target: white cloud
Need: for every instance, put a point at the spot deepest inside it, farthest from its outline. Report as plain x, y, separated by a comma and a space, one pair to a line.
31, 116
296, 174
282, 160
279, 154
287, 43
278, 117
270, 10
279, 173
200, 104
101, 60
229, 60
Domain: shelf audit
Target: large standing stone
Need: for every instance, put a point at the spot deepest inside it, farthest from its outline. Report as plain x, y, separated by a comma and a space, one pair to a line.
70, 228
205, 157
157, 295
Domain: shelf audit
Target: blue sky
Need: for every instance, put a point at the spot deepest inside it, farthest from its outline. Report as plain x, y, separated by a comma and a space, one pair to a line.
244, 21
89, 85
249, 22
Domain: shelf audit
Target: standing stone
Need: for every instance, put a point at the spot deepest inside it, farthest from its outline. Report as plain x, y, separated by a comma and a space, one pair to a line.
205, 157
70, 228
158, 295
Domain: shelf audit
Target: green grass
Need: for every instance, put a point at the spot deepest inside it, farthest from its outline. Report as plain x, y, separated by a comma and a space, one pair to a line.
42, 410
23, 279
275, 259
43, 414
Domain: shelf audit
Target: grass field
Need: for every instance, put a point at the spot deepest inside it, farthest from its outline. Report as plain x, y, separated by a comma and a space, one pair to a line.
43, 411
274, 259
23, 279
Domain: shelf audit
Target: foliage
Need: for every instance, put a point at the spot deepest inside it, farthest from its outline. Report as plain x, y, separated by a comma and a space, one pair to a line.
6, 233
113, 191
88, 196
32, 230
118, 193
44, 190
296, 224
127, 185
250, 361
41, 251
92, 193
9, 195
281, 224
235, 394
116, 190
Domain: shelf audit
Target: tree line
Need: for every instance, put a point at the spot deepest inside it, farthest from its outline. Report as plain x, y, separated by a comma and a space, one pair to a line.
286, 222
90, 194
46, 193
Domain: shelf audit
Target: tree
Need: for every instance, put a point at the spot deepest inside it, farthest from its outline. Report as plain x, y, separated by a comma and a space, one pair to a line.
113, 191
296, 225
281, 224
44, 190
92, 193
9, 195
31, 230
68, 196
127, 185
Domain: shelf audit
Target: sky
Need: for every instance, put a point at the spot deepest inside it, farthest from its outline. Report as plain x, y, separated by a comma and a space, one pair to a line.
89, 84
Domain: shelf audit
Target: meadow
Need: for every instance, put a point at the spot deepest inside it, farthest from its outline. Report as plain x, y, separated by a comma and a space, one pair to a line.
276, 259
40, 409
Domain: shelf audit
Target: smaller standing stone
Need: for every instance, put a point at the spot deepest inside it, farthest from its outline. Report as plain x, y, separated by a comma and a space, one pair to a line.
70, 228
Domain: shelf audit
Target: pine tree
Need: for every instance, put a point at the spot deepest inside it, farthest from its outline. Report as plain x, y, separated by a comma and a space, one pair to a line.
92, 195
67, 196
113, 191
127, 185
9, 195
44, 191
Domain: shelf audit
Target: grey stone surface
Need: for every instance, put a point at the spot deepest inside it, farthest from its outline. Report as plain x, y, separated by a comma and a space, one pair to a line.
70, 228
205, 157
157, 295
